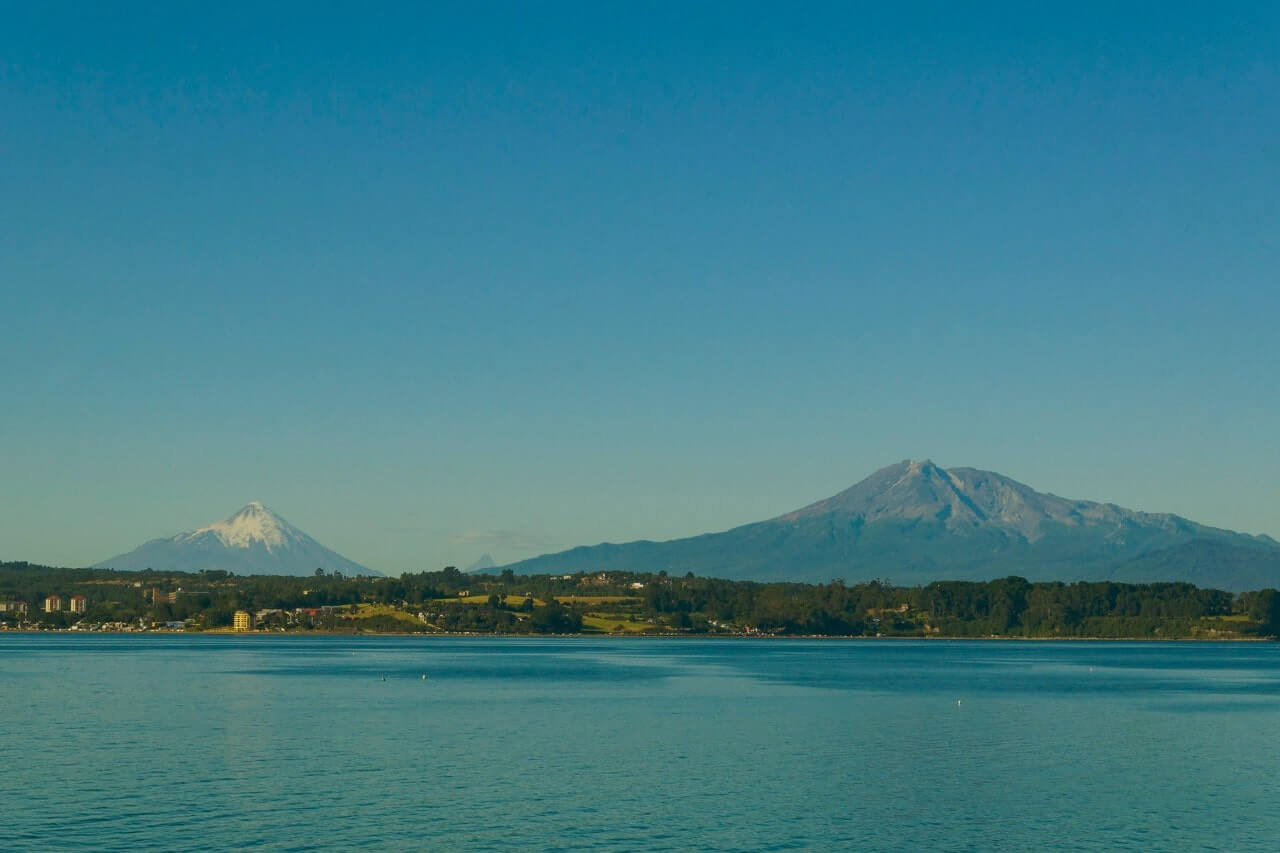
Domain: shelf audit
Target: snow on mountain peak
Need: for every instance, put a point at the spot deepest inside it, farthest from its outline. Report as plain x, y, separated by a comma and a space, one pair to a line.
253, 523
251, 541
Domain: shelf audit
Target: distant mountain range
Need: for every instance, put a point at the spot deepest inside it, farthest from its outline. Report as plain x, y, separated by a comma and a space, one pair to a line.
481, 565
915, 522
252, 541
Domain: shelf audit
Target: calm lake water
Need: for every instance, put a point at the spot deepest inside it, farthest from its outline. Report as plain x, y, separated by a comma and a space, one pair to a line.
190, 742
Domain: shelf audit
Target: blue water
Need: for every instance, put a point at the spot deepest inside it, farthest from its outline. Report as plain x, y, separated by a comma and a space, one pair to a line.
197, 743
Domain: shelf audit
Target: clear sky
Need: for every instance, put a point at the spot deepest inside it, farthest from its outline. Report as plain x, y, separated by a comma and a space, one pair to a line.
457, 278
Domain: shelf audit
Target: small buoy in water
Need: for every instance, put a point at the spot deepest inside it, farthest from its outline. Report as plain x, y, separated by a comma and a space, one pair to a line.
424, 676
384, 678
958, 701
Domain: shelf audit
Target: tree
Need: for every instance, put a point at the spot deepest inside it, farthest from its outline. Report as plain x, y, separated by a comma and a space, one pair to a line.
555, 618
1264, 607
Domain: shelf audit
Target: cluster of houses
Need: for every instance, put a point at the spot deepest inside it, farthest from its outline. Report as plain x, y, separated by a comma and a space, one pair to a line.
54, 604
79, 604
601, 579
158, 596
274, 618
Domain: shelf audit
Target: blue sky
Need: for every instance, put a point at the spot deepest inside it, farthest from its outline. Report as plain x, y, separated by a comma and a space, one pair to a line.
432, 283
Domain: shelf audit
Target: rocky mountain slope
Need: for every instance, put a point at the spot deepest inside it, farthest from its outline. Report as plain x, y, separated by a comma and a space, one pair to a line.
915, 522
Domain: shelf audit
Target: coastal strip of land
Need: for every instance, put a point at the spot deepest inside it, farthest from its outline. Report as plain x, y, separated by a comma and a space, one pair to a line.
623, 604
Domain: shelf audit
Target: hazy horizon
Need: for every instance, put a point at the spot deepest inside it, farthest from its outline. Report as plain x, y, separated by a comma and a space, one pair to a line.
436, 283
514, 542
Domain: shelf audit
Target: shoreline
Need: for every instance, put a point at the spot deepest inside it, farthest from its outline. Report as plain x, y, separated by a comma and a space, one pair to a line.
669, 636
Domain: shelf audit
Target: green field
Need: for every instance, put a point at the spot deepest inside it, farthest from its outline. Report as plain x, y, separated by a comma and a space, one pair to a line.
613, 624
365, 611
512, 601
598, 599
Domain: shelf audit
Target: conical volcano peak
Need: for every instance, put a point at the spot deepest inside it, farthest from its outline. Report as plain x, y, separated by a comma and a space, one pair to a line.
251, 523
904, 470
252, 540
254, 508
925, 469
909, 489
959, 499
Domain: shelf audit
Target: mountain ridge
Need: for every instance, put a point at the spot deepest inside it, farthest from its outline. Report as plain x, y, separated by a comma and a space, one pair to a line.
915, 522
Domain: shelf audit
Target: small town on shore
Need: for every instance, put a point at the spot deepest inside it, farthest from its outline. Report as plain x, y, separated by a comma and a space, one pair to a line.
221, 602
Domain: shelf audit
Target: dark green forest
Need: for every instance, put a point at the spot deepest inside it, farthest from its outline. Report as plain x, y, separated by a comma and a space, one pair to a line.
624, 603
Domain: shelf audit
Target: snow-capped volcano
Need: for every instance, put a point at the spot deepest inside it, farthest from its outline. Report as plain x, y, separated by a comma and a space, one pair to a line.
251, 541
254, 523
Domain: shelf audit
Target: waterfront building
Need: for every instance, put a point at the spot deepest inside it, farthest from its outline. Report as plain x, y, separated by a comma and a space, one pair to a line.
52, 603
78, 603
242, 621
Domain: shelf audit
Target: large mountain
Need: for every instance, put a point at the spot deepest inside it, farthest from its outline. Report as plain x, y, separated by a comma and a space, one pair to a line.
914, 522
253, 541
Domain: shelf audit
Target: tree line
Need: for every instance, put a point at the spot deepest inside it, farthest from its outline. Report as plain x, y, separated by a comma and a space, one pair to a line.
449, 600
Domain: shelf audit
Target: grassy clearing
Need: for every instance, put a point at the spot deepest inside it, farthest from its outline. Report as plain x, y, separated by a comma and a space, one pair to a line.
510, 600
364, 611
611, 624
599, 599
